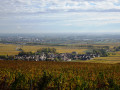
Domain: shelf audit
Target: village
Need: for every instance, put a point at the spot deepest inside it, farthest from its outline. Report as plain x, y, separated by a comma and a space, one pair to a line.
50, 54
57, 57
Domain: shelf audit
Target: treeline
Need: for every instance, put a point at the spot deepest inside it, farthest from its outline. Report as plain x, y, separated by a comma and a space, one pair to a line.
117, 48
6, 57
100, 52
93, 47
46, 44
46, 50
39, 51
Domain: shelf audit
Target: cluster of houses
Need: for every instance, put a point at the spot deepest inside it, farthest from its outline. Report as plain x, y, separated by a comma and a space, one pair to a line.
56, 57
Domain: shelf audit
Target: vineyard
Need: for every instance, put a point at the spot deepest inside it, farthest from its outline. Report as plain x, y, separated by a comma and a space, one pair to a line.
58, 75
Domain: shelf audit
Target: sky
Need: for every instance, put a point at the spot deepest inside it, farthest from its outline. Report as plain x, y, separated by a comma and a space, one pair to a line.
59, 16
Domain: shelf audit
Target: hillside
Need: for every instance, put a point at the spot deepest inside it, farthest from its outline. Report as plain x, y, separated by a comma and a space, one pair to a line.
58, 75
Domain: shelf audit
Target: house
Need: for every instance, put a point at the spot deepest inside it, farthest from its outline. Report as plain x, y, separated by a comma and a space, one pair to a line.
74, 53
42, 57
37, 57
60, 56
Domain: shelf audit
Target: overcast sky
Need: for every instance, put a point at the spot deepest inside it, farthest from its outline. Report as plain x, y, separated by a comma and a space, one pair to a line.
44, 16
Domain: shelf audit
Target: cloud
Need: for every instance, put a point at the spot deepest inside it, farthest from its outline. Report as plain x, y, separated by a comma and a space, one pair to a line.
58, 14
33, 6
64, 19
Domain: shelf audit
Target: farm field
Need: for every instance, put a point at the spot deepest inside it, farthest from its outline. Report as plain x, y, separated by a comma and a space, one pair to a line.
10, 49
58, 75
111, 60
60, 49
115, 58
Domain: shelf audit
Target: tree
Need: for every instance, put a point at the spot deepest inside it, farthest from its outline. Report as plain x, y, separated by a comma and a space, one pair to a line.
101, 52
46, 50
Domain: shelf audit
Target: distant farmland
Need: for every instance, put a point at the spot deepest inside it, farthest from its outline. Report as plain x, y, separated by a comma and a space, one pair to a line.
10, 49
